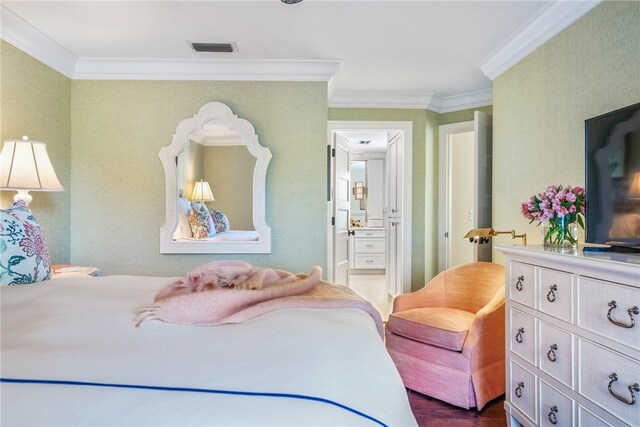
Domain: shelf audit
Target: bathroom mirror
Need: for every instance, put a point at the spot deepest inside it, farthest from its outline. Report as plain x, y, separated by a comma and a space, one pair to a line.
222, 150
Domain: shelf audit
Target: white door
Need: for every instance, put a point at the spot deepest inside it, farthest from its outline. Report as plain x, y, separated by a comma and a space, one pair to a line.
462, 189
465, 189
342, 182
394, 217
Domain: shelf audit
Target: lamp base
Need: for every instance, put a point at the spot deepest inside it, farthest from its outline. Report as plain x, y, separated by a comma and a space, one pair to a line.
23, 195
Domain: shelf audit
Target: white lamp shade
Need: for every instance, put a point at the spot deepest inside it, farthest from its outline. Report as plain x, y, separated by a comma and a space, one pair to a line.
634, 190
202, 192
25, 165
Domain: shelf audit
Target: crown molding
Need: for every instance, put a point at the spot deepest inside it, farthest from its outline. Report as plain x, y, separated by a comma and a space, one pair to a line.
544, 26
421, 101
202, 69
31, 41
380, 100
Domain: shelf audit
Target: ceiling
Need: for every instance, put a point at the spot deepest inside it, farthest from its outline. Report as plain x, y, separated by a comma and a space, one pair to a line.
440, 55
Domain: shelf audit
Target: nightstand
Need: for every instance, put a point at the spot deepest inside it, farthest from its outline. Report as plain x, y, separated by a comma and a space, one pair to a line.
65, 270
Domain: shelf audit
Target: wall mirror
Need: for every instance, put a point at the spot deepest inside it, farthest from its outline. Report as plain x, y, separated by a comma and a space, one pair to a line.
219, 152
367, 190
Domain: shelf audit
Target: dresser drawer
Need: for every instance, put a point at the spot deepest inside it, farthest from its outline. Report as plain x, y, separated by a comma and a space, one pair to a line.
556, 409
556, 294
556, 353
369, 261
369, 233
603, 303
597, 366
522, 390
522, 336
370, 245
586, 418
521, 283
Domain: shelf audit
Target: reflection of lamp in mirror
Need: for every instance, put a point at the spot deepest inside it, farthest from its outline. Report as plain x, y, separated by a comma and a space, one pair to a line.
482, 235
634, 190
25, 166
202, 192
359, 190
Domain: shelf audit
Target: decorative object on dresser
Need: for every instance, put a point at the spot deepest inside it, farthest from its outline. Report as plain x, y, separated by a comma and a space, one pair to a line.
369, 248
447, 339
573, 346
559, 210
25, 166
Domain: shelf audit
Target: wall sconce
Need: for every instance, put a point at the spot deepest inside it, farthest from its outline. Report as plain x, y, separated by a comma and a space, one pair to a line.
482, 235
634, 190
24, 167
359, 191
202, 192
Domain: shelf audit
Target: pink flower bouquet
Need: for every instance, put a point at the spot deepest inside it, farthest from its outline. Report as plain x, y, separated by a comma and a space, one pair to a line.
560, 207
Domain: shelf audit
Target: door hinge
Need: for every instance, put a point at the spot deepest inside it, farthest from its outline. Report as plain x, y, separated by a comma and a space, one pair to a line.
333, 152
446, 234
333, 220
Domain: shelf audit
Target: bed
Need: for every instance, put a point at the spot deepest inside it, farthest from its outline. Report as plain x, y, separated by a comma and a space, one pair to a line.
72, 356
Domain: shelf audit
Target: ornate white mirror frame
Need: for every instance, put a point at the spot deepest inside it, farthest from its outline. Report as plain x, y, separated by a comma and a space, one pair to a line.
216, 116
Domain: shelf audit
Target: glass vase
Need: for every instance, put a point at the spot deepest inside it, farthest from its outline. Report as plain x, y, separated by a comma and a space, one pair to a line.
560, 232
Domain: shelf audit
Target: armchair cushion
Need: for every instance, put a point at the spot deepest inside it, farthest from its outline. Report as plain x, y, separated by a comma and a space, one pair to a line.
439, 326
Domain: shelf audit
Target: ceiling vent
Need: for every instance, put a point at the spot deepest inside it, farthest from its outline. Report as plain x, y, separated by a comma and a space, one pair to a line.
214, 47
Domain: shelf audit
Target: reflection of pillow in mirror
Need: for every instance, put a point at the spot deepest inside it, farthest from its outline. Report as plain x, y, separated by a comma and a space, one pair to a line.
184, 228
200, 221
23, 248
220, 221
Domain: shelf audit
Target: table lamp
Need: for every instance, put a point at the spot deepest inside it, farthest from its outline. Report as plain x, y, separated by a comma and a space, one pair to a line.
24, 167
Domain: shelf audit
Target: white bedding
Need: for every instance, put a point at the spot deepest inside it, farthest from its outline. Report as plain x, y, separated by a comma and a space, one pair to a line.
81, 329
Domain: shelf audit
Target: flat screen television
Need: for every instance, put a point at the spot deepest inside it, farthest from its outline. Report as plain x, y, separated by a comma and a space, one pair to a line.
612, 178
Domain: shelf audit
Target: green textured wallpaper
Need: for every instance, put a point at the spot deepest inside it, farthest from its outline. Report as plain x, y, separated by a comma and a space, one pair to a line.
36, 101
118, 199
541, 103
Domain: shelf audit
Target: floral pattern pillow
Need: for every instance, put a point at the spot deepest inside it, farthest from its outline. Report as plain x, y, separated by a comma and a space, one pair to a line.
220, 221
200, 220
24, 257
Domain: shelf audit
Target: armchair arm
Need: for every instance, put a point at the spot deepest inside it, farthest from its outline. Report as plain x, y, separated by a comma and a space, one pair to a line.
485, 341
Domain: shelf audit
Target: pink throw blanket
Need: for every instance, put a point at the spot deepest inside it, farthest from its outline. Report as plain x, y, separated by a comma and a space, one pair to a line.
201, 298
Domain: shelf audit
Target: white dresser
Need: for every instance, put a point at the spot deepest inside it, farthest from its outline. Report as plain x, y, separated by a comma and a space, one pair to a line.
572, 337
369, 248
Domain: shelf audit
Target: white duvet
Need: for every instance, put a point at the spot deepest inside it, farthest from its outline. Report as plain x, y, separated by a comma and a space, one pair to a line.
307, 367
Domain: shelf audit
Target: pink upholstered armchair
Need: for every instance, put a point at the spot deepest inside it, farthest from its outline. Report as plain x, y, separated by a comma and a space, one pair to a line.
447, 339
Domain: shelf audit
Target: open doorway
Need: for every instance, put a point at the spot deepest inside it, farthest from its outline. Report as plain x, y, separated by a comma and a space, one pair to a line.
465, 189
369, 204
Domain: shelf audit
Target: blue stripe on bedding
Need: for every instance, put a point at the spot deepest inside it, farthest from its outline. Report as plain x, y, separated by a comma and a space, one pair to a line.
194, 390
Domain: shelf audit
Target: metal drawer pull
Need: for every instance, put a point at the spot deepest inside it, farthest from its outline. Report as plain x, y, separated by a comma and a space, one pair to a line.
551, 354
552, 415
551, 296
519, 283
519, 335
519, 389
633, 310
633, 387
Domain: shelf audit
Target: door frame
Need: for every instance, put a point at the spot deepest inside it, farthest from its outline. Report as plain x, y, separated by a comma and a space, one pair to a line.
406, 127
444, 136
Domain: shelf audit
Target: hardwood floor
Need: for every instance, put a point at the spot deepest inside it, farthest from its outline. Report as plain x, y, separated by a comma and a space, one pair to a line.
435, 413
